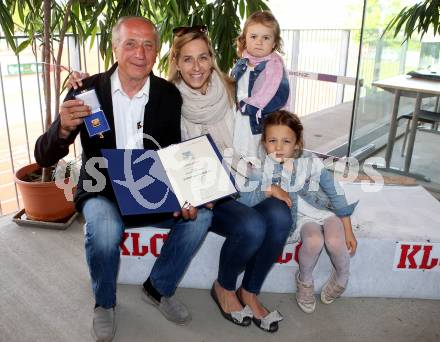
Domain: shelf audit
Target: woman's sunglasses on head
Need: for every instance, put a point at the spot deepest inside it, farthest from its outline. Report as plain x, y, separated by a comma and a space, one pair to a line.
181, 30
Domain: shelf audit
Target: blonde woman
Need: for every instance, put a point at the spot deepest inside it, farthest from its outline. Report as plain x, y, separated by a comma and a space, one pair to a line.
208, 107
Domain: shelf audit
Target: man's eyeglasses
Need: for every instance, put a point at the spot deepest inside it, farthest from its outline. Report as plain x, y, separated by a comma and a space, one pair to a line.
181, 30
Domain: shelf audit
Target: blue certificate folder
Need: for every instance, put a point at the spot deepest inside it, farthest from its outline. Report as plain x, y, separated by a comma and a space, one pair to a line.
142, 185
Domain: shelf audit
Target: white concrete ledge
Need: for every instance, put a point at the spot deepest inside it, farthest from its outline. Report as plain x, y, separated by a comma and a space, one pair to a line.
398, 231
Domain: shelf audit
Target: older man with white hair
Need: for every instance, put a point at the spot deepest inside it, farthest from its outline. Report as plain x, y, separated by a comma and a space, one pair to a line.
133, 101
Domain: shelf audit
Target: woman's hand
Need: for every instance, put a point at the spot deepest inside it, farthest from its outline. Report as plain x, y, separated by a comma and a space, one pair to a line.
75, 79
277, 192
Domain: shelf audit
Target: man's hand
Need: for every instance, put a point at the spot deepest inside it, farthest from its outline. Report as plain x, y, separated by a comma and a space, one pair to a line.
210, 205
188, 212
72, 113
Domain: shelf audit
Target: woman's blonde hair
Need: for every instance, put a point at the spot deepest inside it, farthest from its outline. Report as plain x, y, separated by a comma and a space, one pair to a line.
178, 43
265, 18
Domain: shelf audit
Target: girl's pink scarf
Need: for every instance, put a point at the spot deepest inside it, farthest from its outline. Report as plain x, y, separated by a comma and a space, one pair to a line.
267, 83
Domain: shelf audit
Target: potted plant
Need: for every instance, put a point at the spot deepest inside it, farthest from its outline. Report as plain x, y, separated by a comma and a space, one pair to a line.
51, 200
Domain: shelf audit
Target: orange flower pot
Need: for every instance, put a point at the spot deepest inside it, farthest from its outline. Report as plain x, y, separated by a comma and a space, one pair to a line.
43, 201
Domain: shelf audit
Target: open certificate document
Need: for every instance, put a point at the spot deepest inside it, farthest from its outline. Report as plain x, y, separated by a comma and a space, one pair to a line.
146, 181
195, 172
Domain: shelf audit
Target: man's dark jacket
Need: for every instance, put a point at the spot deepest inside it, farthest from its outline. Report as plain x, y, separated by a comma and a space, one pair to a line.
161, 121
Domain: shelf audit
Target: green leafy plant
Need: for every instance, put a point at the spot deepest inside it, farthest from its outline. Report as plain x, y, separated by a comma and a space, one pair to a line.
419, 19
223, 18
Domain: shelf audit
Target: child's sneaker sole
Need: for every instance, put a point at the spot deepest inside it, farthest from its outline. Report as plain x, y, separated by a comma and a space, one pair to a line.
324, 300
307, 308
335, 289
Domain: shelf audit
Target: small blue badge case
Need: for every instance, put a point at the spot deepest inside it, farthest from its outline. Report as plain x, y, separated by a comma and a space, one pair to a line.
96, 123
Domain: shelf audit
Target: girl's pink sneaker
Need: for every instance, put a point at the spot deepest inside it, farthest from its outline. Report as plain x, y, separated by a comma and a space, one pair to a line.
331, 290
305, 295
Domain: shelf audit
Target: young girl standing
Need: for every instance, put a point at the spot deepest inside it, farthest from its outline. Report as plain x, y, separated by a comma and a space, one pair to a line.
318, 205
262, 83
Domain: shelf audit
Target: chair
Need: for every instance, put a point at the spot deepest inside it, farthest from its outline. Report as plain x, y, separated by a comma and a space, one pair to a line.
424, 116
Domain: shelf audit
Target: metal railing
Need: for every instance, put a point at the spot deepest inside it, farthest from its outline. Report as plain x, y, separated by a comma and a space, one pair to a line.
22, 108
319, 51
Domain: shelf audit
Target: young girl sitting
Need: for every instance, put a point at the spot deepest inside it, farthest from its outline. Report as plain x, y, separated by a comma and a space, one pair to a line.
262, 83
318, 205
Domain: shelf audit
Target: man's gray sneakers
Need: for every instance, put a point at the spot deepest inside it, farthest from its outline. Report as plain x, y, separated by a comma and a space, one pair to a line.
104, 324
172, 308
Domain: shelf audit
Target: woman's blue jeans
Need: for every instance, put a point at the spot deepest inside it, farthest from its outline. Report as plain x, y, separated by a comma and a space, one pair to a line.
255, 238
104, 231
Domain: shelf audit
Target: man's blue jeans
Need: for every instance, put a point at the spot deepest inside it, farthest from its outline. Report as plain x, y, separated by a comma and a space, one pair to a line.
104, 232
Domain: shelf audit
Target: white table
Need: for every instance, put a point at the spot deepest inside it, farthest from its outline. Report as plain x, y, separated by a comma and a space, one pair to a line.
404, 85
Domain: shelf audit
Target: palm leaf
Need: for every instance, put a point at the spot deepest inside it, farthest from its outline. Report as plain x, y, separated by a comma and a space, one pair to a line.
419, 18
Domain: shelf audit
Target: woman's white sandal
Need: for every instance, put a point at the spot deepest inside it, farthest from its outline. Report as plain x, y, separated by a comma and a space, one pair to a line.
269, 323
